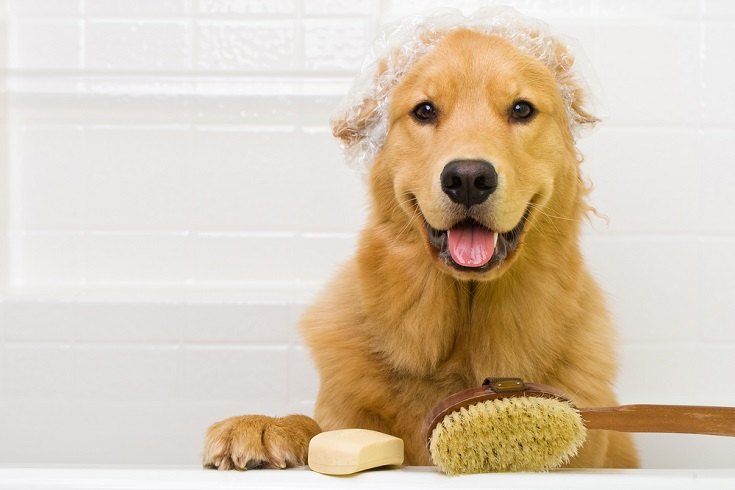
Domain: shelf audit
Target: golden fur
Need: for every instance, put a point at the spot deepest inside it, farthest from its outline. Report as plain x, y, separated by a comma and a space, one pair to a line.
398, 329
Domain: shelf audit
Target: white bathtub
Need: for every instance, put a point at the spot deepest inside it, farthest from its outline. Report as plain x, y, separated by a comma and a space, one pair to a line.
135, 378
192, 478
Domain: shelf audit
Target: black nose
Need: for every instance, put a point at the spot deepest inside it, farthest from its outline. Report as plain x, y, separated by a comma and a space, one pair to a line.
469, 182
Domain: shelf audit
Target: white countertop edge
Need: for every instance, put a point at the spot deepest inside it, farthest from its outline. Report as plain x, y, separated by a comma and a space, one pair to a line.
193, 478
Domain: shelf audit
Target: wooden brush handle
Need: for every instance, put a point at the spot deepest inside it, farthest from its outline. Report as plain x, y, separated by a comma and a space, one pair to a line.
716, 421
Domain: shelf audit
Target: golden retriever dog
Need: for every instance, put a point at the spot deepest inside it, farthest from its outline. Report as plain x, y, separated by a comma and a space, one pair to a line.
469, 265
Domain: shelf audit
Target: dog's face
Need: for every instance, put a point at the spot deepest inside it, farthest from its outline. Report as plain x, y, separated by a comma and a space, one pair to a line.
478, 147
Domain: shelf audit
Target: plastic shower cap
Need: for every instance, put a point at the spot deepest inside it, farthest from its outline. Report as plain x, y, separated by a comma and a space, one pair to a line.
361, 119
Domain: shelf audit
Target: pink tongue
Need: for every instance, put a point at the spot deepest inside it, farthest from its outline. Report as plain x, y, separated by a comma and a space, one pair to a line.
471, 245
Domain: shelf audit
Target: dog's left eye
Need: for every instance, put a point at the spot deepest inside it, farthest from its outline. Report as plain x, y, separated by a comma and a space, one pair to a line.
522, 110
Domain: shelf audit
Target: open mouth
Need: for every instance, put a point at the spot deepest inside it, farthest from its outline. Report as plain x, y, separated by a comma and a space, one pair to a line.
470, 246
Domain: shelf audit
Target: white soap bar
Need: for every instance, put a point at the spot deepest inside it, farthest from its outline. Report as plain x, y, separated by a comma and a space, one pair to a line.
346, 451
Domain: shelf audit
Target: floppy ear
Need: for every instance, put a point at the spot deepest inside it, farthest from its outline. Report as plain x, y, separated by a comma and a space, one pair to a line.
562, 64
350, 124
353, 120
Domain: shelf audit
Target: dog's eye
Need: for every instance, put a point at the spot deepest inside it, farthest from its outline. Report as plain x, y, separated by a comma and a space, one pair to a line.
522, 110
425, 112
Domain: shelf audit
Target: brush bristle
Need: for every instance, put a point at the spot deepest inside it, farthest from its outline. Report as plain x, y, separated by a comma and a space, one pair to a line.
510, 434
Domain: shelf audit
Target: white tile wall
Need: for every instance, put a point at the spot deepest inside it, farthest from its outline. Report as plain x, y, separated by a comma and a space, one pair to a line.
645, 163
128, 8
649, 68
170, 198
44, 8
59, 48
250, 46
718, 100
249, 7
141, 45
4, 133
717, 176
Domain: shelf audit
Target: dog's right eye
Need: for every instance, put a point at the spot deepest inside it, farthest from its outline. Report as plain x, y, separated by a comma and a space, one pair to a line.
425, 112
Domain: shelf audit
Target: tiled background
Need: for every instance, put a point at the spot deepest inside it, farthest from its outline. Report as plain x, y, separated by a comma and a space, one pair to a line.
170, 198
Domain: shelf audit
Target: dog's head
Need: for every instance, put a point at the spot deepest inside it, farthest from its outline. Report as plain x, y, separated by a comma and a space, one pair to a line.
477, 148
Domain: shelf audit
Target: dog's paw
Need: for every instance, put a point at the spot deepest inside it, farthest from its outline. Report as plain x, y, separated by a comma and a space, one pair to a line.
256, 441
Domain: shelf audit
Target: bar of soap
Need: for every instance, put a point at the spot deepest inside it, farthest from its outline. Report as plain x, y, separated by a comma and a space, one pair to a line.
347, 451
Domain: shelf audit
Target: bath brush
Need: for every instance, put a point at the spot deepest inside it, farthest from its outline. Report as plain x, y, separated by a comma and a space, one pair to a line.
509, 425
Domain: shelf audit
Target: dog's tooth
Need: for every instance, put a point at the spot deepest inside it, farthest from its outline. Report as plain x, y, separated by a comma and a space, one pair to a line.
495, 239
